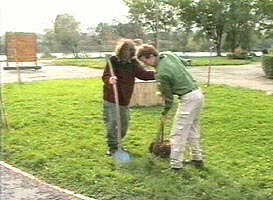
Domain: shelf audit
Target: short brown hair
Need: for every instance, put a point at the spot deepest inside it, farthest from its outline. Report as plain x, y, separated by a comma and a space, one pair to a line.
146, 50
124, 47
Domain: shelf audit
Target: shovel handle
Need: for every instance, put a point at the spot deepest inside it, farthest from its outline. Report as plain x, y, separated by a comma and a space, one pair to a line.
160, 135
116, 100
162, 130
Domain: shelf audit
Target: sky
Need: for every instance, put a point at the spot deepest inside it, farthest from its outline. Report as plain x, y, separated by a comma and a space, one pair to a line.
37, 15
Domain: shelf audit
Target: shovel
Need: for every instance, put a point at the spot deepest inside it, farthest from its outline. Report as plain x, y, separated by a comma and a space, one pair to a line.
120, 155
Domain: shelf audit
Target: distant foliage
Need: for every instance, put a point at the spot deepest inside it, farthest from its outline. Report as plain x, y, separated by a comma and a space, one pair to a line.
2, 45
268, 65
47, 55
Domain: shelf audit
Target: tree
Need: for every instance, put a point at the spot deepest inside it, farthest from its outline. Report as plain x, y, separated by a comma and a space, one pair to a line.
265, 16
215, 18
241, 24
105, 35
67, 34
48, 42
129, 30
153, 15
206, 16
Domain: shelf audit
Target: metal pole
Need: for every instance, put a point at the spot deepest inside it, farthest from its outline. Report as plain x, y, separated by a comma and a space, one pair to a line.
209, 72
209, 68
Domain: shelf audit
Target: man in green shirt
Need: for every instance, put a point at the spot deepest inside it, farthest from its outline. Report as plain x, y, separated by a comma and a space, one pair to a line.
174, 79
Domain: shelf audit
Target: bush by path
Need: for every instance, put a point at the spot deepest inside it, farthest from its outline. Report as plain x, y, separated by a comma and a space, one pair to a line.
268, 65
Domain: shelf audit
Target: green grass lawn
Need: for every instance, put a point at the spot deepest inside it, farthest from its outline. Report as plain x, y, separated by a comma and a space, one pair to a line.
93, 63
58, 135
202, 61
213, 61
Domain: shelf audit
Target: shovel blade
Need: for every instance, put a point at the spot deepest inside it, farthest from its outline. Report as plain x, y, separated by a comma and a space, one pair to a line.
122, 156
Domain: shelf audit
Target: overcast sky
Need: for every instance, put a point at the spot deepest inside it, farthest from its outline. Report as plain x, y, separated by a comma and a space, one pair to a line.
37, 15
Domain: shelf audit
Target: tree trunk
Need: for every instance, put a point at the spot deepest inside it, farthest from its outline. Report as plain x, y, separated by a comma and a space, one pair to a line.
75, 53
233, 41
218, 49
219, 35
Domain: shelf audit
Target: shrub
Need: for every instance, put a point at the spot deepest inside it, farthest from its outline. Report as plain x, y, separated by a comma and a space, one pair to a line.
253, 54
47, 55
265, 51
268, 65
239, 53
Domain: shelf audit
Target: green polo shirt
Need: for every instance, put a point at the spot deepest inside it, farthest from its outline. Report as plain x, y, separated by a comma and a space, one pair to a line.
173, 78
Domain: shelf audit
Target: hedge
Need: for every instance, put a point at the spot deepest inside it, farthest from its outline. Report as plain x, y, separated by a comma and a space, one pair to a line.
268, 65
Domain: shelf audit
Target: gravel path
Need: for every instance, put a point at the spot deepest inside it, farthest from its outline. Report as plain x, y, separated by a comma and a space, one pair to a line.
248, 76
16, 185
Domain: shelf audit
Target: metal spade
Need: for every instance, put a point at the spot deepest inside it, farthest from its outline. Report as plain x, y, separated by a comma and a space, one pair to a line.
120, 155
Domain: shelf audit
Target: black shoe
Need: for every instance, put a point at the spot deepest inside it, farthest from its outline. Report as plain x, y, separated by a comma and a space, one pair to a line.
199, 164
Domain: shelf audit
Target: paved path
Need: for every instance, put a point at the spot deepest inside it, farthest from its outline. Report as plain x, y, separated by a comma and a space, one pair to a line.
50, 73
248, 76
19, 186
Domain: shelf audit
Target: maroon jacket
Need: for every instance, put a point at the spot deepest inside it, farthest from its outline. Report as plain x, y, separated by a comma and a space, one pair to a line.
126, 73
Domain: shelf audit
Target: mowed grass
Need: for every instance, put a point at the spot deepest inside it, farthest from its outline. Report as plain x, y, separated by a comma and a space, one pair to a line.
214, 61
201, 61
98, 63
57, 134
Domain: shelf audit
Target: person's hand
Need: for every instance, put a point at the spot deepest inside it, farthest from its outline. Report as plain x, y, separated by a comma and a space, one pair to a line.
113, 80
164, 118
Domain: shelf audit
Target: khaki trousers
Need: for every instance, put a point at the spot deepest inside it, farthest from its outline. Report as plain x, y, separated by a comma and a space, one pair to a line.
186, 128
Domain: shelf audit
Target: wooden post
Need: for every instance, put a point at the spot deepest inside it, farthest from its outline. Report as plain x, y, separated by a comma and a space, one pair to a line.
18, 68
6, 51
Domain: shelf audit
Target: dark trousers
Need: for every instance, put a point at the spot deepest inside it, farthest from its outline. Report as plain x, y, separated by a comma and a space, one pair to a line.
110, 120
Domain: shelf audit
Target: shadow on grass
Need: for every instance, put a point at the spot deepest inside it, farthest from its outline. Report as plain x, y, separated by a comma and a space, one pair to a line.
150, 178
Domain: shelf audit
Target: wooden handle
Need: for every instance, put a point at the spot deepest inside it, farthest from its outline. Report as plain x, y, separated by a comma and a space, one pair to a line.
116, 100
160, 133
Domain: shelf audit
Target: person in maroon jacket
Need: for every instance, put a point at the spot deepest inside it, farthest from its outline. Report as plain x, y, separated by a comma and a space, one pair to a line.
126, 68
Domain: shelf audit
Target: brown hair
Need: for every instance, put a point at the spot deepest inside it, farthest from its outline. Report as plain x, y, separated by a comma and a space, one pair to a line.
146, 50
125, 49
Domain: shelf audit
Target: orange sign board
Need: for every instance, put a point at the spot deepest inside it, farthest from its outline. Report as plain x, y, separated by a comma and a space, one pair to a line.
21, 47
